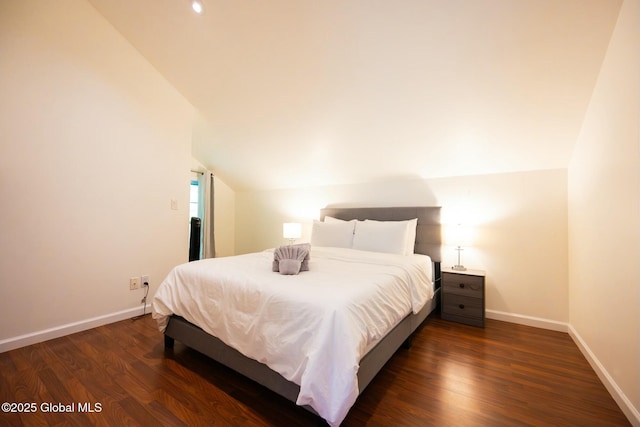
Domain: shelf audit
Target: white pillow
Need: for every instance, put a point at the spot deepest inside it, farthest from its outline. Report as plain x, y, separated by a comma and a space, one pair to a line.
332, 219
395, 237
337, 234
410, 243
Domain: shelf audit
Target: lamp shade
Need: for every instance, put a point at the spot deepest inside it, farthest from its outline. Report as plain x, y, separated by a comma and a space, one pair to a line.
291, 230
458, 235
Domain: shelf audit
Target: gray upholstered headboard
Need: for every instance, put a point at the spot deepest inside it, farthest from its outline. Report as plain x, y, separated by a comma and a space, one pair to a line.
428, 231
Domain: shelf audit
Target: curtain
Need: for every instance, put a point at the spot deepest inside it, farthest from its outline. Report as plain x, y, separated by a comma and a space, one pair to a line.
206, 213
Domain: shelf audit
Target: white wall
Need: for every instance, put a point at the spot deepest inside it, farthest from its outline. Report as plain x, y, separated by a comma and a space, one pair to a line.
519, 220
224, 218
604, 218
94, 145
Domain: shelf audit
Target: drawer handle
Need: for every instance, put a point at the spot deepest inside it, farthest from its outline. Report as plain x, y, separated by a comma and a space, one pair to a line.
461, 306
461, 285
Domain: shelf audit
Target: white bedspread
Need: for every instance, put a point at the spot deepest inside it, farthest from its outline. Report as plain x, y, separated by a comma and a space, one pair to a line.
312, 328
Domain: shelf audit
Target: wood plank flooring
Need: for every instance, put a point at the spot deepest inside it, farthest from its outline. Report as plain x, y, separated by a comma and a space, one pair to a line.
453, 375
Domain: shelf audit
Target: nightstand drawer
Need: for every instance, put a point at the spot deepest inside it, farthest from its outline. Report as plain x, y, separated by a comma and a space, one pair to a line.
459, 305
460, 284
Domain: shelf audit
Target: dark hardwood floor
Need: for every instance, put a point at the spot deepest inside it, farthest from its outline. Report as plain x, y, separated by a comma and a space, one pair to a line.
453, 375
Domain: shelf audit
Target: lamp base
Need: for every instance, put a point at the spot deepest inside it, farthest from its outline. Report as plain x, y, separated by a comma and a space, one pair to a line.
459, 266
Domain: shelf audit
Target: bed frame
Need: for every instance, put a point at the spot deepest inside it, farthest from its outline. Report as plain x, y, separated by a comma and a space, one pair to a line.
428, 242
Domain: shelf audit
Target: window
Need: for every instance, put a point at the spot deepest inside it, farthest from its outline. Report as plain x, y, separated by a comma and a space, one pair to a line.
194, 198
195, 241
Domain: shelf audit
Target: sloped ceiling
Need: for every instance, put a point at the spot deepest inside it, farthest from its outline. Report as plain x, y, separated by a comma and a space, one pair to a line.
295, 93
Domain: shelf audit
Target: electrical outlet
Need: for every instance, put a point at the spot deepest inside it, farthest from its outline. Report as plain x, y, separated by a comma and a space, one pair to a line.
134, 283
144, 279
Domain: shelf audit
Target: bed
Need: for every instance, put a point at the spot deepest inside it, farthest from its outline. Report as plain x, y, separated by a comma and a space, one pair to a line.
304, 383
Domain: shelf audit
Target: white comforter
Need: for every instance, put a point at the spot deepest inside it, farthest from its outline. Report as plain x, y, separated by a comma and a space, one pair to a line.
312, 328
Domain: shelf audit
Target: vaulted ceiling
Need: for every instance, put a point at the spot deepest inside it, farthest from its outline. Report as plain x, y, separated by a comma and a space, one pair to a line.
295, 93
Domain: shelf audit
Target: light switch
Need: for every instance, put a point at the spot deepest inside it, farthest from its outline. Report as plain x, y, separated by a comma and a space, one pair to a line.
174, 204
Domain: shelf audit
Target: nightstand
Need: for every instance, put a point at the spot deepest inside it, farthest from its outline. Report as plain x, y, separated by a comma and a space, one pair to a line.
462, 295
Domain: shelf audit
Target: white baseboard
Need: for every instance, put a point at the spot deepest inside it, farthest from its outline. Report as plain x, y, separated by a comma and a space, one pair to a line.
618, 395
520, 319
70, 328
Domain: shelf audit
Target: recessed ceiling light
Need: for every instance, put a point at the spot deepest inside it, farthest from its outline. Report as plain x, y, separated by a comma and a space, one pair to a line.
196, 6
